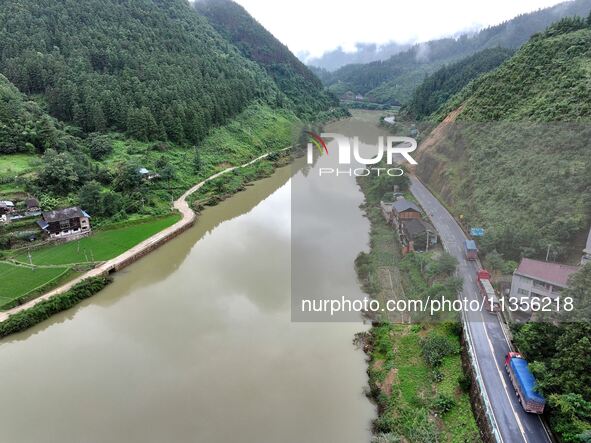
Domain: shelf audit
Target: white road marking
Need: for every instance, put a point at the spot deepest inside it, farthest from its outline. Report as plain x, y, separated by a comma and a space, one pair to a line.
444, 229
492, 351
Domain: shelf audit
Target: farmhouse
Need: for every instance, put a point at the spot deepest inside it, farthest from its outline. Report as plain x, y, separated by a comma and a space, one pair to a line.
63, 223
404, 210
419, 234
534, 278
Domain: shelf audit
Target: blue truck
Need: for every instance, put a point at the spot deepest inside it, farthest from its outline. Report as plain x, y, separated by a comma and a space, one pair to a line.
470, 250
524, 383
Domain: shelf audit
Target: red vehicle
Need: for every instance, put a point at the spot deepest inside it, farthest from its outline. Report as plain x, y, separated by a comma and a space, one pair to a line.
524, 383
491, 301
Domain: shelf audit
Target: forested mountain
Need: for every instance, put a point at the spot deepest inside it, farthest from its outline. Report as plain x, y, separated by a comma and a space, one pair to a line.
438, 87
521, 140
156, 70
394, 80
513, 156
93, 91
292, 77
364, 53
24, 126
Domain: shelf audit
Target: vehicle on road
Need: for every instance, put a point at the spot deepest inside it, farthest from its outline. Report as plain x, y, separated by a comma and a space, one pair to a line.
491, 301
524, 383
470, 250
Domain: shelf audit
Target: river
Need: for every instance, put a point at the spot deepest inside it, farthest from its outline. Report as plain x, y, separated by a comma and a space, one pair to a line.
195, 343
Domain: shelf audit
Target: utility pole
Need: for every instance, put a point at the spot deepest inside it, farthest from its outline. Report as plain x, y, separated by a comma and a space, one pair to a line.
548, 253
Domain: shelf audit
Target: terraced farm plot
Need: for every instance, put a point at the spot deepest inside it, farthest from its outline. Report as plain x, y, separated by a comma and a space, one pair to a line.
19, 280
15, 163
100, 246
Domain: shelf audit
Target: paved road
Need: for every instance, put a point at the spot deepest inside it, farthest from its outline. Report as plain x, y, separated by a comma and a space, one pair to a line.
488, 336
187, 217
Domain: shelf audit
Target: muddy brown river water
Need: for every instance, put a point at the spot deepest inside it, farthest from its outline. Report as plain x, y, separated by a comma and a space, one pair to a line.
195, 343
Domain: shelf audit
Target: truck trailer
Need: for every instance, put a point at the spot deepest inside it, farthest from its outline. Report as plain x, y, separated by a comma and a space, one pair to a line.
470, 250
524, 383
491, 301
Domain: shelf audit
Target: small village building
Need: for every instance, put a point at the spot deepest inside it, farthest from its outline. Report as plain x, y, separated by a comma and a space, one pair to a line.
404, 210
147, 174
419, 234
32, 204
535, 278
67, 222
6, 207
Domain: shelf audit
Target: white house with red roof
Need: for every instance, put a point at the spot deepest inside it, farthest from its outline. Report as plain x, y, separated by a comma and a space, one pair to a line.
535, 278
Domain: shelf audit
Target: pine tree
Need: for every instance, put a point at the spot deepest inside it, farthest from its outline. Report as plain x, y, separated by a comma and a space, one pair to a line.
197, 164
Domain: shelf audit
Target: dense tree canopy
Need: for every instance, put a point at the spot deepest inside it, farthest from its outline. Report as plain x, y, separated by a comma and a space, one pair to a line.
560, 357
155, 69
437, 88
303, 89
520, 147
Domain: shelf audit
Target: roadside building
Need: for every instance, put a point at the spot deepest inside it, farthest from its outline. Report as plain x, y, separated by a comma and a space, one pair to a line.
535, 278
418, 234
405, 210
65, 223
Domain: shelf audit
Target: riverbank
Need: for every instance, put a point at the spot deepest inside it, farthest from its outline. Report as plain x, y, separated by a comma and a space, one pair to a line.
174, 327
187, 220
414, 370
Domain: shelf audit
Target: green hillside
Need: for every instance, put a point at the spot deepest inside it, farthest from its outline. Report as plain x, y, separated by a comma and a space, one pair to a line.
393, 81
516, 161
304, 90
437, 88
153, 69
520, 147
91, 91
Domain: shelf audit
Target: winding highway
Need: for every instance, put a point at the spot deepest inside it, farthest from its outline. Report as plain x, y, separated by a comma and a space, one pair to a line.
490, 342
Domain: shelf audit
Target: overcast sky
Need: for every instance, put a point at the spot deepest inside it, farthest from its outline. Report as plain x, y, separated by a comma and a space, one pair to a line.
317, 26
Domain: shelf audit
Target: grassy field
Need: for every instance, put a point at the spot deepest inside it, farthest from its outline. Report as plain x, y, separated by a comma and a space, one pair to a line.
15, 163
18, 280
100, 246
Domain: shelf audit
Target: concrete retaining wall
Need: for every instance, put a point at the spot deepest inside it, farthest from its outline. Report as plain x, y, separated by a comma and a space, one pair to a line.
155, 245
